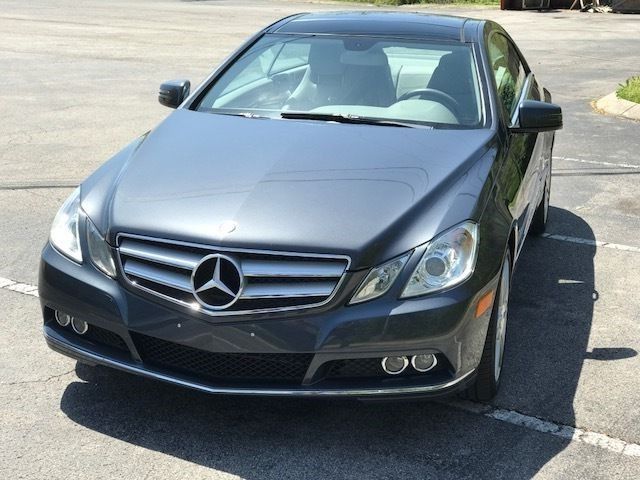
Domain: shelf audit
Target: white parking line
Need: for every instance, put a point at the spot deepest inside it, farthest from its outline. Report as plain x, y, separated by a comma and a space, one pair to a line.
567, 432
25, 288
597, 162
593, 243
544, 426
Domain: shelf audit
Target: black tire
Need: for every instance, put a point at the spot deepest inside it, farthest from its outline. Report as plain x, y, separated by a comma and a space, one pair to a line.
486, 384
541, 215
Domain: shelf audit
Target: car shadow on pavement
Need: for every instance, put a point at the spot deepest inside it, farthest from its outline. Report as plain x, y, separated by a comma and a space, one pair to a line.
263, 438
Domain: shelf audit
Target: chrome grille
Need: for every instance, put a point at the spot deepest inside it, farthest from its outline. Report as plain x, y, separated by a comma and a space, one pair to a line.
273, 280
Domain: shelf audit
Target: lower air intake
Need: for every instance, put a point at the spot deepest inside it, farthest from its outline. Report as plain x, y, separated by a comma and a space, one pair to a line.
289, 368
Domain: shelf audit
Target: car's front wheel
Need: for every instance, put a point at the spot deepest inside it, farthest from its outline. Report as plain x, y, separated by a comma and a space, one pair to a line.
487, 380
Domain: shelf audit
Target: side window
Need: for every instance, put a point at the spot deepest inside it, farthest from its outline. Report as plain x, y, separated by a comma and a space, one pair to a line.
263, 63
252, 67
292, 55
507, 69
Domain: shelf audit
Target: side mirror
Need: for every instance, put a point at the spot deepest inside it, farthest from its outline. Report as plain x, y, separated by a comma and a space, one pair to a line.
173, 92
535, 116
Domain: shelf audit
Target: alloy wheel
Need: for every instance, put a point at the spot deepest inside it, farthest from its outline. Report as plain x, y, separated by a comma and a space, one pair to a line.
501, 320
547, 188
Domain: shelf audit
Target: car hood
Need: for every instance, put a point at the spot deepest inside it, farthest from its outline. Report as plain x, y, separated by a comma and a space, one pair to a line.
369, 192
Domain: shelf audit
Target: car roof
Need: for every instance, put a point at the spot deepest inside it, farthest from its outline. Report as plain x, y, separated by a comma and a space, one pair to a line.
393, 24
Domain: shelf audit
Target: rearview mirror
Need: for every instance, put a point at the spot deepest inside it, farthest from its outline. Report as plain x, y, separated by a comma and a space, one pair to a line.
535, 116
173, 92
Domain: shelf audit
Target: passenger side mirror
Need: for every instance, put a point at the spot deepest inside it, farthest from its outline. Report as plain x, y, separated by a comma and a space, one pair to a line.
535, 116
173, 92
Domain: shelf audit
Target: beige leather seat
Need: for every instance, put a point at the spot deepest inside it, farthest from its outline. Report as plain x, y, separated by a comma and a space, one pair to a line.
454, 76
336, 76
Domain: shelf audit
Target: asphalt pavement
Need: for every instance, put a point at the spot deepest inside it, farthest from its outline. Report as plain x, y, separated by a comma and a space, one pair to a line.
79, 80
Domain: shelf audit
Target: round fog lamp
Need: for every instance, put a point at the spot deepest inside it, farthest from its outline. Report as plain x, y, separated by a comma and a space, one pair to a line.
424, 362
394, 365
79, 326
63, 319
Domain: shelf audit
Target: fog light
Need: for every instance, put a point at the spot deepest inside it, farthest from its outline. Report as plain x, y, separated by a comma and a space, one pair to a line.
424, 362
79, 326
63, 319
394, 365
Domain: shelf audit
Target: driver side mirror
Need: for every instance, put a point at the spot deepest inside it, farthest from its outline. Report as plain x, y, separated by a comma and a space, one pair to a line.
535, 116
173, 92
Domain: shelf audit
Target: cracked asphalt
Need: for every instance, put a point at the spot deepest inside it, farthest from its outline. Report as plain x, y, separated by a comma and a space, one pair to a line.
80, 81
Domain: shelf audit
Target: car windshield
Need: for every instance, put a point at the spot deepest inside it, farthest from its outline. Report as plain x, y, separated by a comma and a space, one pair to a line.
351, 78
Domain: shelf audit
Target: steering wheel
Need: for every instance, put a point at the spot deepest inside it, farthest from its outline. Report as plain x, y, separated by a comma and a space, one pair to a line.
436, 95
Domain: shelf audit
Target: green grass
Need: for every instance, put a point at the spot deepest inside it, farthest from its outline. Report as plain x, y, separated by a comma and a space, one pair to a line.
630, 90
425, 2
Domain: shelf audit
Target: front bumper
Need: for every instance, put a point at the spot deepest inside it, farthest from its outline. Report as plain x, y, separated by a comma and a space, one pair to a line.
58, 344
444, 325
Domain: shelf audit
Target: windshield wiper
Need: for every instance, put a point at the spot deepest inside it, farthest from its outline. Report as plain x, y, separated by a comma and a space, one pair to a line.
240, 114
337, 117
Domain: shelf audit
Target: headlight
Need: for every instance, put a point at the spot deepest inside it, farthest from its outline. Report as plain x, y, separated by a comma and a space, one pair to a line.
99, 250
379, 280
64, 231
448, 260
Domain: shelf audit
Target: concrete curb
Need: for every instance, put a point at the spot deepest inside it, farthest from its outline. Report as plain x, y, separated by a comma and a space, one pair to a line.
612, 105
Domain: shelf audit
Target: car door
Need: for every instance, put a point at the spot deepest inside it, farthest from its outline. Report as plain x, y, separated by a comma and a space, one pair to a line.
514, 83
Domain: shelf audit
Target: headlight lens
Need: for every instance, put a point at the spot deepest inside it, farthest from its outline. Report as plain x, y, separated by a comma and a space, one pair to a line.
99, 250
448, 260
64, 231
379, 280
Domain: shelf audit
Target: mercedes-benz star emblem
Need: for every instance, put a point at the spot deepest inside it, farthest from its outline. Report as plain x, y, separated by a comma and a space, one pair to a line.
217, 281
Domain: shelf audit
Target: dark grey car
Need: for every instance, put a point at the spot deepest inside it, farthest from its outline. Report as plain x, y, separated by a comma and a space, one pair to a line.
336, 210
